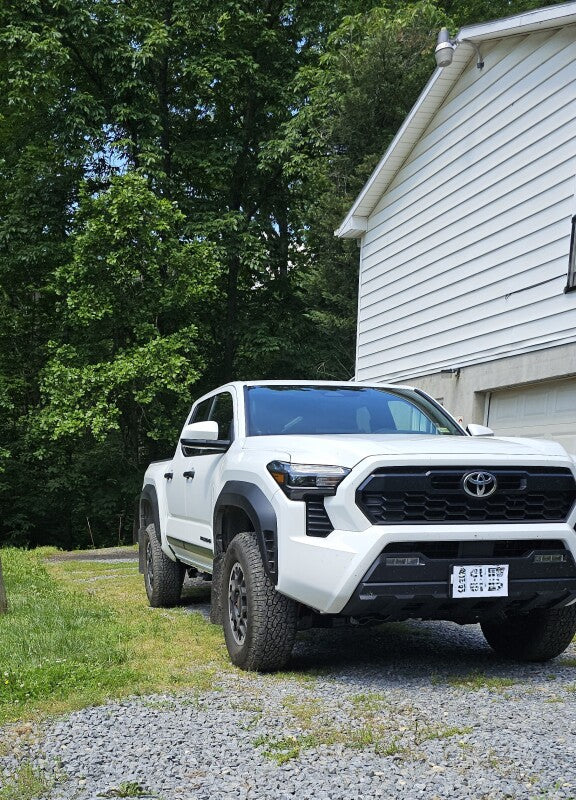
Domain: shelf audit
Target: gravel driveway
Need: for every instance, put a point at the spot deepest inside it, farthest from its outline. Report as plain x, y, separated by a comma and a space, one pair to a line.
415, 710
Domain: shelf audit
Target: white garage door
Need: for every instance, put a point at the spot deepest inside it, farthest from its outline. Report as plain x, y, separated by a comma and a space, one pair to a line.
546, 411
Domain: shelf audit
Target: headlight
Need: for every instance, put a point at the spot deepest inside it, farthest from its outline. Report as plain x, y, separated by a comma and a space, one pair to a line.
299, 480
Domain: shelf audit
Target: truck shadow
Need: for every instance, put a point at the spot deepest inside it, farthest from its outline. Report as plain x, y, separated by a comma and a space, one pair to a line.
413, 652
419, 653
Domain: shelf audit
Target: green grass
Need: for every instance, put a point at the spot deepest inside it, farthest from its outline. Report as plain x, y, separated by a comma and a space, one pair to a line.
476, 680
79, 633
283, 749
27, 783
372, 723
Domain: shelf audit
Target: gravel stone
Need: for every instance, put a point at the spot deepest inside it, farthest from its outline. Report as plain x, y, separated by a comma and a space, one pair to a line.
448, 719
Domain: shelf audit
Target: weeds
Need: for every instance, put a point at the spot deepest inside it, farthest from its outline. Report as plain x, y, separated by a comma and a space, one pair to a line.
370, 724
283, 749
26, 784
476, 680
127, 789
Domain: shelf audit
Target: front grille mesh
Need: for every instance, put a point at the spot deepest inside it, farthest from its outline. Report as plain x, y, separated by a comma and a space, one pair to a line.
418, 495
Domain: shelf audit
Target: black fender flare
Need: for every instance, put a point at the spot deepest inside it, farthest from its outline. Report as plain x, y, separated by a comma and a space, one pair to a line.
254, 503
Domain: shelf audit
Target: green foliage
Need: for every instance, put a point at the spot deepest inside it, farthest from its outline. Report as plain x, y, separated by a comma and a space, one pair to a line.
129, 295
28, 783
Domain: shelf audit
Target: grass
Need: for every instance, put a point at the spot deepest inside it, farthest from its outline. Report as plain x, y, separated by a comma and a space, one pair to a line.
372, 722
27, 783
476, 680
80, 633
283, 749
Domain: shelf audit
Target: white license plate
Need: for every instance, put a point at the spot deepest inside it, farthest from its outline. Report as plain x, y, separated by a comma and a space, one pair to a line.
480, 580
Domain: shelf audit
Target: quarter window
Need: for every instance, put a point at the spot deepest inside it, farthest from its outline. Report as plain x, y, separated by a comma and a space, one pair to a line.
202, 411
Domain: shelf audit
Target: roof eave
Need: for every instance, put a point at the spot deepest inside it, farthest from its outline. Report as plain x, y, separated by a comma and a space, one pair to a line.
436, 90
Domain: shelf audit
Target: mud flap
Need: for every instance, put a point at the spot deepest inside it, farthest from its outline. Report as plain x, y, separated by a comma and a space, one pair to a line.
216, 598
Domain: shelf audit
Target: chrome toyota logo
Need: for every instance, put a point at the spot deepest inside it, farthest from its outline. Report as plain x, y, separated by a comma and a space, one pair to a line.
479, 484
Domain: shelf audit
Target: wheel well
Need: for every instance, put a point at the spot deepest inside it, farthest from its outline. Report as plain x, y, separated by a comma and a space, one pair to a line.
231, 521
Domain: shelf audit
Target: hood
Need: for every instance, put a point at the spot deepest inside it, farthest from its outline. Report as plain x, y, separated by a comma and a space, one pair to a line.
348, 449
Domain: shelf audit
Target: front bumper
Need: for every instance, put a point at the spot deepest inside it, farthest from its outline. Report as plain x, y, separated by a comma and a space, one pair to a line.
344, 573
423, 591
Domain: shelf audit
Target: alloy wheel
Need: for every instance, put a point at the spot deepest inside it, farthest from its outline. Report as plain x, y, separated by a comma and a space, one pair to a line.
237, 604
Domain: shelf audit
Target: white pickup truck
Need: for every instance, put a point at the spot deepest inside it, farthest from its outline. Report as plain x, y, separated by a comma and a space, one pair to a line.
309, 502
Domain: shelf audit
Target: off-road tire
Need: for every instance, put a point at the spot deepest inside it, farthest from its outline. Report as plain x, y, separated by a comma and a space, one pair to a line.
259, 623
163, 578
537, 636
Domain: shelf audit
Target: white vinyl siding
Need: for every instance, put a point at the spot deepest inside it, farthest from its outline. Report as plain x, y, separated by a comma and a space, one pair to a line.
465, 258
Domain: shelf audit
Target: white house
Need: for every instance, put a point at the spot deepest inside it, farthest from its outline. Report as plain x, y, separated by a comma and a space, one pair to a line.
467, 233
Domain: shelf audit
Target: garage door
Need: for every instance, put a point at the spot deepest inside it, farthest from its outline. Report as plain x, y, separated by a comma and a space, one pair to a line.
546, 410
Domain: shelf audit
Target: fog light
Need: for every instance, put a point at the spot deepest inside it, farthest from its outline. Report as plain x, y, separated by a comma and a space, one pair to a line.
549, 558
412, 561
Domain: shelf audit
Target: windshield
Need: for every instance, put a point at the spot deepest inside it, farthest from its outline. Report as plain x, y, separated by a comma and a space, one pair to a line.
285, 410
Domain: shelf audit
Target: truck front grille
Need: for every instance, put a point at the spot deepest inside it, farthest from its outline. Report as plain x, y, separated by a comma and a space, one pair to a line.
413, 495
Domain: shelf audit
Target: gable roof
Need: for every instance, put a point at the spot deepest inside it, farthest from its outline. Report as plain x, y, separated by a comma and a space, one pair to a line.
434, 94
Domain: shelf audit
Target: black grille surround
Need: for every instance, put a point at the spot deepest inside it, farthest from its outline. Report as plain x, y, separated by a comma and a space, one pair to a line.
429, 495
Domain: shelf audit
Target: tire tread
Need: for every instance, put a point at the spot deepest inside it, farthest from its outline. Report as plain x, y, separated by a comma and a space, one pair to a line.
168, 574
537, 636
273, 617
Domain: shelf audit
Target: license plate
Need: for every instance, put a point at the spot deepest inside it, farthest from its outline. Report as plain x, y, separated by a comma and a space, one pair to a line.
480, 580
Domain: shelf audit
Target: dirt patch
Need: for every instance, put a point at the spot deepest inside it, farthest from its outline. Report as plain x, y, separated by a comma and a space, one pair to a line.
101, 554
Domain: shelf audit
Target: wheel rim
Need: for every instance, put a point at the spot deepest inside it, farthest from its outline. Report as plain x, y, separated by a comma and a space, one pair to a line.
149, 565
237, 604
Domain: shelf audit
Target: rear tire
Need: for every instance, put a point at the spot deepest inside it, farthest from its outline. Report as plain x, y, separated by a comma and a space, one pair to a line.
536, 636
163, 578
259, 623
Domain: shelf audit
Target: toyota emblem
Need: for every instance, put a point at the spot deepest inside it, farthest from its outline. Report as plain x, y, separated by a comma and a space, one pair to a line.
479, 484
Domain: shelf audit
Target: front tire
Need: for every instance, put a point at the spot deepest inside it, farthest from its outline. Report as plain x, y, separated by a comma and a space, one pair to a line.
259, 623
539, 635
163, 578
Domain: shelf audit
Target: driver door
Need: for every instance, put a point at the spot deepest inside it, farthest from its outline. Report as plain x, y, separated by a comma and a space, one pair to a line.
190, 517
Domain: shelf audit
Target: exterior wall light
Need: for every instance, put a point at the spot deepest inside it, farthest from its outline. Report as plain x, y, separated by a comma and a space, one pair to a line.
444, 52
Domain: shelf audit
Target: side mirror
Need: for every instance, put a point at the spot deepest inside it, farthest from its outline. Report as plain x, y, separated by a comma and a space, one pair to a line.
201, 438
205, 431
479, 430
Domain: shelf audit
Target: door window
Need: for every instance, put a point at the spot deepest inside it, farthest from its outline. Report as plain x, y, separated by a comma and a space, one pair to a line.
223, 413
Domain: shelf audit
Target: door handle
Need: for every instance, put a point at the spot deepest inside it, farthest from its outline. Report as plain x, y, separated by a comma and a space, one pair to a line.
168, 475
189, 474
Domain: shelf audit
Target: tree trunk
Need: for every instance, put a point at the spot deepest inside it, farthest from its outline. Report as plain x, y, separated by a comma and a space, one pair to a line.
3, 600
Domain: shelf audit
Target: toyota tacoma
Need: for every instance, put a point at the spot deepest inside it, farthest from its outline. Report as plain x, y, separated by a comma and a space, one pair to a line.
316, 503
